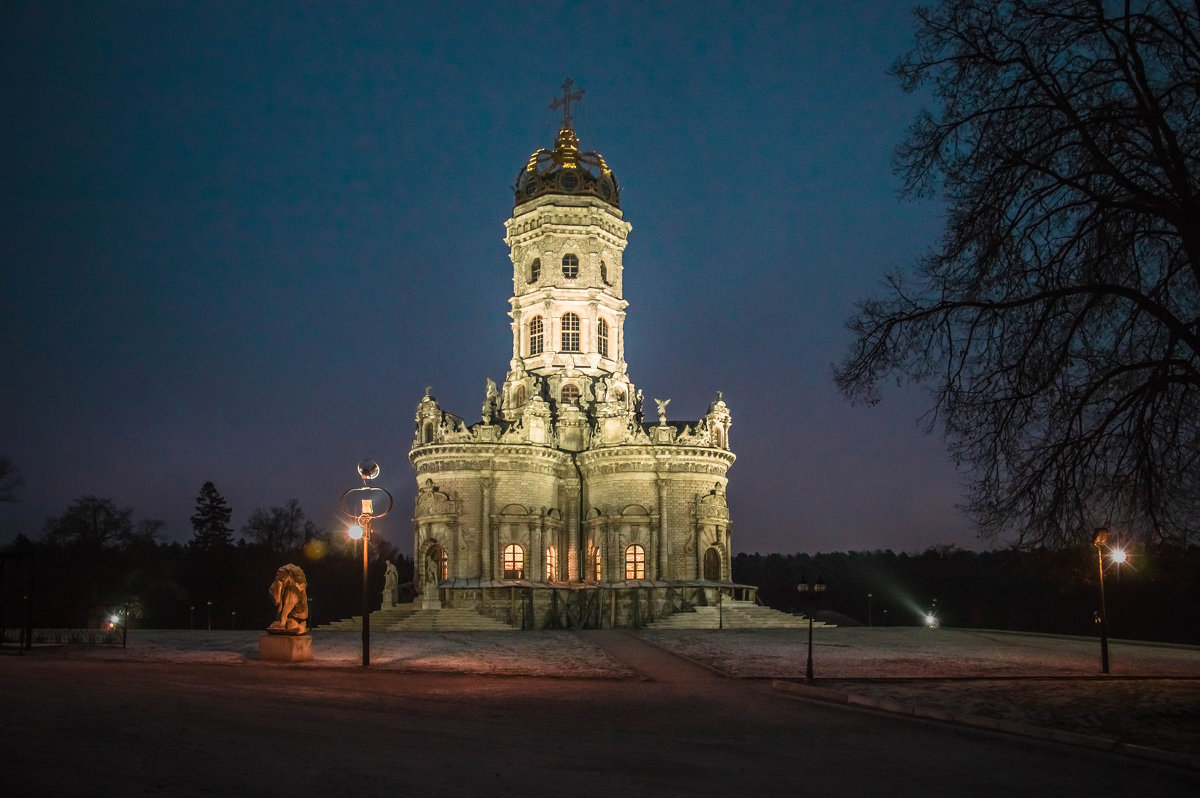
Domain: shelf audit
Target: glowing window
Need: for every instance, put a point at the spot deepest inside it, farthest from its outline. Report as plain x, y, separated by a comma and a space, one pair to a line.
535, 270
570, 332
635, 562
535, 335
596, 564
437, 565
570, 266
552, 563
602, 337
514, 562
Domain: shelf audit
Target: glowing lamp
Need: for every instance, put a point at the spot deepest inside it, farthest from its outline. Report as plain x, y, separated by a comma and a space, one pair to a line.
1118, 556
355, 532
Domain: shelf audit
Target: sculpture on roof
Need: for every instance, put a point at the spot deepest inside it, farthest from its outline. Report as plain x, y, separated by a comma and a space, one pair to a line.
662, 410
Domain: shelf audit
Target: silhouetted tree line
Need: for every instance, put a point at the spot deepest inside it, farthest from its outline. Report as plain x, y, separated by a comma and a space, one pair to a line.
1155, 596
95, 560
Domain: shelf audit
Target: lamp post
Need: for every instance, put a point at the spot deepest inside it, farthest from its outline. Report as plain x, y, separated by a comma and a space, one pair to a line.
210, 615
870, 618
810, 594
1099, 538
363, 505
191, 617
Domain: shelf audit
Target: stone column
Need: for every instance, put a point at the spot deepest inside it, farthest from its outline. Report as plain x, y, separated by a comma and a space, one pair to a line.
518, 333
660, 564
485, 526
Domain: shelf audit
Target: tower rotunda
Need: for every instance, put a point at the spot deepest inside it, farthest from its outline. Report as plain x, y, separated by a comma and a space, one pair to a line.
564, 507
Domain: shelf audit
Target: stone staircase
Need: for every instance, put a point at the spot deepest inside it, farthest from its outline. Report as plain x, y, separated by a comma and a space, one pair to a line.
735, 615
411, 618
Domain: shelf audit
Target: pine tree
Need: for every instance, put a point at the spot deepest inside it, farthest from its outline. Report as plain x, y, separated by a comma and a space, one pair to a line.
210, 524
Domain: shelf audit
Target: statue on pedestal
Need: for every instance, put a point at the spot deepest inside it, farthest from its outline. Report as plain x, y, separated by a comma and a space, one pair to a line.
391, 585
290, 592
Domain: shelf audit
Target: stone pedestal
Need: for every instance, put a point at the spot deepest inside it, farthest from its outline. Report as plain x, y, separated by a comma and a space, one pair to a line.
431, 599
285, 648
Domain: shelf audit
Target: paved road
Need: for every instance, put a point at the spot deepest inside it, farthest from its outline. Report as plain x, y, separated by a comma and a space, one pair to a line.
74, 727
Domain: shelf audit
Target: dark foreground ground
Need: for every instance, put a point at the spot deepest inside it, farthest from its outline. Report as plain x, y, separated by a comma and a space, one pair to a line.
82, 726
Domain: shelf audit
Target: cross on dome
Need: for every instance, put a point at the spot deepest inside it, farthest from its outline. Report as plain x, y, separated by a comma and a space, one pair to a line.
564, 102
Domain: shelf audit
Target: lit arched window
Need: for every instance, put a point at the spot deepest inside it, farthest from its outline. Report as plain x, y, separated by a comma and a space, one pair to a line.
570, 266
635, 562
596, 564
570, 332
552, 563
602, 337
535, 270
569, 395
514, 562
437, 565
535, 335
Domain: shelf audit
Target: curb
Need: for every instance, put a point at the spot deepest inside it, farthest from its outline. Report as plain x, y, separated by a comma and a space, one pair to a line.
808, 692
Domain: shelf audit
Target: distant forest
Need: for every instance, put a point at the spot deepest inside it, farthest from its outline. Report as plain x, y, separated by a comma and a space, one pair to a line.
1155, 596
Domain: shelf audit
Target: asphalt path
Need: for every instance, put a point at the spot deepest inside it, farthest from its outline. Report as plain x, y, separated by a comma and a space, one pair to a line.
78, 727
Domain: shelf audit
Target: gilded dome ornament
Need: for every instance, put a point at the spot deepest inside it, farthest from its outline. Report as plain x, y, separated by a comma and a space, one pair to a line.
565, 169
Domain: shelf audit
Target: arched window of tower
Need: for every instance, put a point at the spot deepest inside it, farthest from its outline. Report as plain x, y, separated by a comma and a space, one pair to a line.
514, 562
602, 337
569, 394
570, 266
570, 332
535, 270
535, 335
604, 273
635, 562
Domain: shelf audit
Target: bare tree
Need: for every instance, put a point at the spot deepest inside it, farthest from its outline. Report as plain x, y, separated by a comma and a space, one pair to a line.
280, 528
91, 522
1057, 323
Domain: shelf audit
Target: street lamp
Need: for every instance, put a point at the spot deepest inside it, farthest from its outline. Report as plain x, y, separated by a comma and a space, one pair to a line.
191, 617
210, 615
870, 618
1098, 540
810, 594
363, 505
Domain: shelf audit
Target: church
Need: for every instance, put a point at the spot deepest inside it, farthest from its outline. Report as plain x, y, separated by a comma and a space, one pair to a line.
564, 505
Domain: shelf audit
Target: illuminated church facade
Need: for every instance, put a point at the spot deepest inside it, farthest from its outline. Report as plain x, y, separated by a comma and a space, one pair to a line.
564, 506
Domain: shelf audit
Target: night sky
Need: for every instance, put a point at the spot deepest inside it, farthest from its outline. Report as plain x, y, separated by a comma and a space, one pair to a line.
239, 239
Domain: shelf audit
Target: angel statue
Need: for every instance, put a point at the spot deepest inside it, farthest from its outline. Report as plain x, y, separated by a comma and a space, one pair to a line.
662, 410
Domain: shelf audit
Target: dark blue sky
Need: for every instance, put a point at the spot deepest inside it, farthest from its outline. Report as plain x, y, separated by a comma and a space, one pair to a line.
239, 239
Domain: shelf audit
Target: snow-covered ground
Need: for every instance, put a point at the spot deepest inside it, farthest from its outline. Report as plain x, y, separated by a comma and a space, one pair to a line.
839, 653
917, 652
1150, 698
